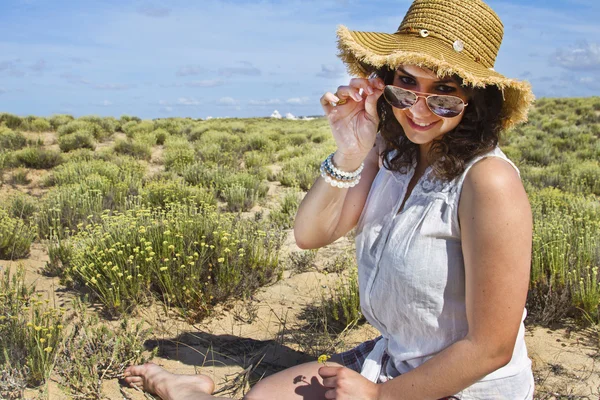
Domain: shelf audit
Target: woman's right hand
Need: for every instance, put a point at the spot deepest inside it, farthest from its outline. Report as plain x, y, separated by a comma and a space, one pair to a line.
354, 123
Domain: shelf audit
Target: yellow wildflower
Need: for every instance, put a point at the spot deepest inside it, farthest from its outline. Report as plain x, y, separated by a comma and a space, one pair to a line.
323, 358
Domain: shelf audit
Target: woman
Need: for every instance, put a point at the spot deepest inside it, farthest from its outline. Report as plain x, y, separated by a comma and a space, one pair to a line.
443, 224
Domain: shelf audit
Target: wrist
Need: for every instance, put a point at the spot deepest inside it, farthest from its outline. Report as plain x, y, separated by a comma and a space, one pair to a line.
347, 162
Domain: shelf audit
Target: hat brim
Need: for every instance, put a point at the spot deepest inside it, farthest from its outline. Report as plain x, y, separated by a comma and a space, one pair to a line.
365, 52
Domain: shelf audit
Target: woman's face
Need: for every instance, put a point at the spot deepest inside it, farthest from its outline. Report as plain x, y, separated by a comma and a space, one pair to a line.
419, 123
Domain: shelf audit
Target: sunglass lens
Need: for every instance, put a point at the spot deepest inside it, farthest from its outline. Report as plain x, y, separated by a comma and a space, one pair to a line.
445, 106
398, 97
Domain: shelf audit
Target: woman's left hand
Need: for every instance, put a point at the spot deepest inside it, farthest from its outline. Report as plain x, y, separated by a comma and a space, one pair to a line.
346, 384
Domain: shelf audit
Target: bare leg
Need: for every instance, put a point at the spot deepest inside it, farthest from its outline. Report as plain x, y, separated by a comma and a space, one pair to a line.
155, 380
301, 382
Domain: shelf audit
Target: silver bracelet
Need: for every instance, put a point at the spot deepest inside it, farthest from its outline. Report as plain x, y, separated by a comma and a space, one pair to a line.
342, 174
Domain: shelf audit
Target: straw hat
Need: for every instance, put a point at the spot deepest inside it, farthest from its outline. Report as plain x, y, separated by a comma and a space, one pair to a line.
459, 37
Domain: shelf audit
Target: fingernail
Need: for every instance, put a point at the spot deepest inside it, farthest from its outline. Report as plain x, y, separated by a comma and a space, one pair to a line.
369, 90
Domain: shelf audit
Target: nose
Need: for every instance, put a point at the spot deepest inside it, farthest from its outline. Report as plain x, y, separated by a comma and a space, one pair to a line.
420, 108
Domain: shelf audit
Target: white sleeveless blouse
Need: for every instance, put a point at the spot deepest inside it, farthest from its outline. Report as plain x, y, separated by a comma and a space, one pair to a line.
411, 273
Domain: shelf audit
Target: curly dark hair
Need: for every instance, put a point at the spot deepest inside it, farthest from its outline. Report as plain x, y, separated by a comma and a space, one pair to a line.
476, 134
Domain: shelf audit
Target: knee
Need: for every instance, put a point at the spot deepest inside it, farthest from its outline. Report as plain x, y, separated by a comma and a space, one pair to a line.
258, 392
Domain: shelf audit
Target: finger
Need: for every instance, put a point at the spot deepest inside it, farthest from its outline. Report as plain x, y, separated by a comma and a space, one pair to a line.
367, 85
330, 394
328, 98
330, 382
328, 372
371, 104
377, 83
345, 92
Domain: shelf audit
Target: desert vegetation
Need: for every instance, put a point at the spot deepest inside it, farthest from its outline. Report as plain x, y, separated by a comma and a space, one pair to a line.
191, 215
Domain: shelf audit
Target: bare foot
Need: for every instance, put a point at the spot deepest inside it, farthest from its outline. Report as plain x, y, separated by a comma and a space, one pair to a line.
156, 380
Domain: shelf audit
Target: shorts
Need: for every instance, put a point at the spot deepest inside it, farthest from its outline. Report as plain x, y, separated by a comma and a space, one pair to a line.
355, 358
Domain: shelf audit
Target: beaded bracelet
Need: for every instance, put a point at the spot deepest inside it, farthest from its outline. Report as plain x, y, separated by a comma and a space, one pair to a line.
342, 174
336, 183
338, 178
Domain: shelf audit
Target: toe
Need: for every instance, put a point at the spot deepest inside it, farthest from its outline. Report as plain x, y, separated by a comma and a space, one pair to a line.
135, 370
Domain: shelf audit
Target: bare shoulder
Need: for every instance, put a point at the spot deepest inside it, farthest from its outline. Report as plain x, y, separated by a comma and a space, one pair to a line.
493, 182
492, 176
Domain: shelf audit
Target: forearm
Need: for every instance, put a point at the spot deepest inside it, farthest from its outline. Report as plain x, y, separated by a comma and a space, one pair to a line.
450, 371
317, 221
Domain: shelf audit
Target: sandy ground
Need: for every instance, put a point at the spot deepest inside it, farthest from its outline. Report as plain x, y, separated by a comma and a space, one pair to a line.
249, 339
256, 337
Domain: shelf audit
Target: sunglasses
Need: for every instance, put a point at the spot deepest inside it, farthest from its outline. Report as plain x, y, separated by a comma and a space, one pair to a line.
441, 105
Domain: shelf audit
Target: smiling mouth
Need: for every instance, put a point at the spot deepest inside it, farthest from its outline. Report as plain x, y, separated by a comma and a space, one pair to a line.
421, 125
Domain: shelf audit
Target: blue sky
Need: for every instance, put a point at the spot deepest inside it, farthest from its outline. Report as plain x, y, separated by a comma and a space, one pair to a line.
238, 58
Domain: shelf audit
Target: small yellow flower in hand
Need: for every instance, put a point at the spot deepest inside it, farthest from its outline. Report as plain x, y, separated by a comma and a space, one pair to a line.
323, 358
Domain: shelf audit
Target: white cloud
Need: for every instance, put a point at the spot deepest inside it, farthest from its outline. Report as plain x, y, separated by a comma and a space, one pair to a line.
39, 65
330, 71
582, 56
246, 70
80, 60
12, 68
185, 101
105, 103
205, 83
74, 79
299, 101
227, 101
113, 86
262, 103
154, 11
188, 70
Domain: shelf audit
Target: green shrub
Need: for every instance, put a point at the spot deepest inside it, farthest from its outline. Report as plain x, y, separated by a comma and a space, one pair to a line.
58, 120
36, 158
82, 126
127, 118
133, 148
94, 352
160, 136
77, 140
19, 177
195, 132
31, 331
228, 142
133, 128
15, 237
565, 249
254, 159
11, 121
40, 125
301, 172
11, 140
108, 125
178, 154
124, 170
160, 193
69, 207
342, 308
170, 125
303, 261
285, 214
191, 257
